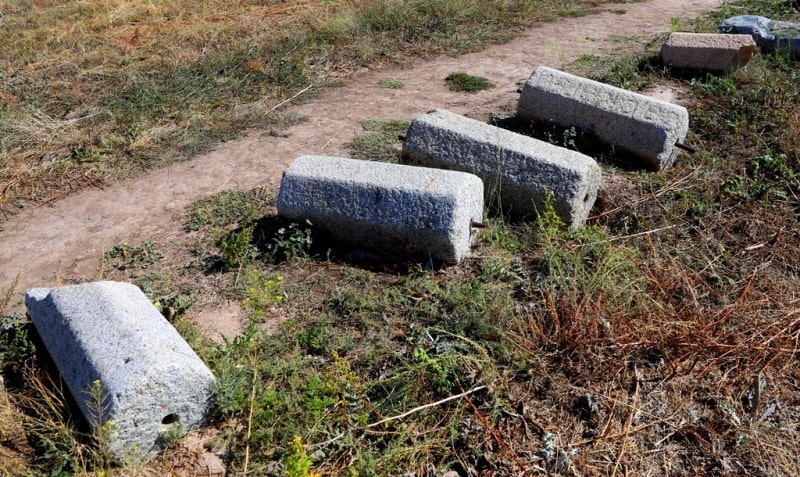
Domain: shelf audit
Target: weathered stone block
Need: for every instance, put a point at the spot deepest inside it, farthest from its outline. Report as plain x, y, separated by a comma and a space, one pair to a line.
518, 169
644, 127
707, 51
111, 333
420, 212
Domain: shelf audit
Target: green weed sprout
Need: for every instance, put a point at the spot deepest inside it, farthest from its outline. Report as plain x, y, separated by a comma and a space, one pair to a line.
103, 428
297, 462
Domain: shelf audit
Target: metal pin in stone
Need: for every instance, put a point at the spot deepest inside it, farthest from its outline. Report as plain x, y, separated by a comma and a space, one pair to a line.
686, 148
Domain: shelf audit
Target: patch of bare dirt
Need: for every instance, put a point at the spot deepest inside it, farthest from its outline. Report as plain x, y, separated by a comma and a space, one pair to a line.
64, 241
196, 456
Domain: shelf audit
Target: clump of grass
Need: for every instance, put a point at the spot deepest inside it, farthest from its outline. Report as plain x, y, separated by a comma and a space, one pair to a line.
390, 84
458, 81
380, 143
124, 257
226, 221
586, 281
227, 208
632, 73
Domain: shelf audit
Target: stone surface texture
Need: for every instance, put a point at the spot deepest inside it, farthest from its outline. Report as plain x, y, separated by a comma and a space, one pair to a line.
518, 169
707, 51
409, 211
768, 34
641, 126
151, 378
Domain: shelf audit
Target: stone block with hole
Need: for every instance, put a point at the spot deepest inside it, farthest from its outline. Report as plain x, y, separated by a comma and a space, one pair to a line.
517, 170
151, 380
707, 51
406, 211
645, 128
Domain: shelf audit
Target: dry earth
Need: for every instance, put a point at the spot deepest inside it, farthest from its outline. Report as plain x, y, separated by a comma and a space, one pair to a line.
64, 241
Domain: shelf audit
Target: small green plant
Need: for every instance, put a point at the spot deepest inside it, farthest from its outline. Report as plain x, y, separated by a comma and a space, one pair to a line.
567, 139
459, 81
127, 257
768, 177
317, 397
343, 383
292, 241
262, 291
16, 347
173, 435
103, 431
237, 247
548, 222
390, 84
297, 462
173, 306
437, 370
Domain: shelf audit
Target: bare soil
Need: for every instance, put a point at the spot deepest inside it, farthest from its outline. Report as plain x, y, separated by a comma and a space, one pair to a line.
63, 241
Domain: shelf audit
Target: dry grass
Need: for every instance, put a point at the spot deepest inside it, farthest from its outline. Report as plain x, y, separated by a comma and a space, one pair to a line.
64, 61
94, 91
14, 448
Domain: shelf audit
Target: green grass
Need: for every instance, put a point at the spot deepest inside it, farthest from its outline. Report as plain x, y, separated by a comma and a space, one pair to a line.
228, 207
390, 84
467, 83
633, 73
381, 140
124, 257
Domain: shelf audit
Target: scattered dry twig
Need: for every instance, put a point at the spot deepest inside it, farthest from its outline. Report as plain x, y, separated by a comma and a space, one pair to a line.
626, 432
671, 186
500, 441
426, 406
250, 413
272, 109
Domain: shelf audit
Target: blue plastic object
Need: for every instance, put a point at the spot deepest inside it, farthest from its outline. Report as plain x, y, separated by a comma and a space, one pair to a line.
768, 34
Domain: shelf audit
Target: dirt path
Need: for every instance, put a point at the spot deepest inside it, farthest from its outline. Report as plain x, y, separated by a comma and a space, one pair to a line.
64, 241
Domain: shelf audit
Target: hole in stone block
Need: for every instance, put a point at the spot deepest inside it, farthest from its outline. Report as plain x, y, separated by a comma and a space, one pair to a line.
170, 419
586, 198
